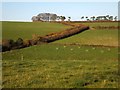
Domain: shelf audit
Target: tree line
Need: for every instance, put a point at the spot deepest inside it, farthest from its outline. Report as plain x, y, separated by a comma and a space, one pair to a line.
98, 18
54, 17
49, 17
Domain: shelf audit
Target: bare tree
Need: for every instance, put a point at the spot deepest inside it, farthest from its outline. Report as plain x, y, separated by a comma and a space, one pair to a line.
62, 18
69, 18
111, 18
115, 18
53, 17
86, 18
45, 17
82, 17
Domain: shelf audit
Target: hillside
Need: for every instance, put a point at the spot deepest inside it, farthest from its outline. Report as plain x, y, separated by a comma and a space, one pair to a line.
25, 30
105, 37
86, 60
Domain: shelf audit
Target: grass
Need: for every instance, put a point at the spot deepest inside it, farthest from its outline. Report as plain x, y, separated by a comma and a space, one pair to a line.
25, 30
93, 37
50, 52
60, 74
65, 67
94, 24
57, 65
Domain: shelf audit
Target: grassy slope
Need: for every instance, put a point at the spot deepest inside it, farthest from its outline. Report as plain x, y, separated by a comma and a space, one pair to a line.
94, 24
70, 66
54, 65
25, 30
69, 52
94, 37
60, 74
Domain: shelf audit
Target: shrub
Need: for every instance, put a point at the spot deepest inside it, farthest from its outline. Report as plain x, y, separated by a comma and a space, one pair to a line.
19, 42
26, 43
12, 43
7, 44
33, 42
36, 39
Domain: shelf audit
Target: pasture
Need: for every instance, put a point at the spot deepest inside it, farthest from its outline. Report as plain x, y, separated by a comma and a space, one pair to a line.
93, 37
25, 30
85, 60
94, 24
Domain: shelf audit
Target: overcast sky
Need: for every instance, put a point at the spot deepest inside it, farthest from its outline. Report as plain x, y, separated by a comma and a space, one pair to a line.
23, 11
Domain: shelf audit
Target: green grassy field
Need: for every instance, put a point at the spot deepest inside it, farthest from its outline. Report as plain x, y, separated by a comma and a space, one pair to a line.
60, 74
63, 52
93, 37
94, 24
57, 65
61, 66
25, 30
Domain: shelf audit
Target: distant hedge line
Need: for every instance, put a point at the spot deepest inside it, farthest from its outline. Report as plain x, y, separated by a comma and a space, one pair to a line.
107, 27
92, 21
36, 39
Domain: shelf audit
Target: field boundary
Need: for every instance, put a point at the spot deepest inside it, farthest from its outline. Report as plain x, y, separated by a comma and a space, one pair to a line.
8, 45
